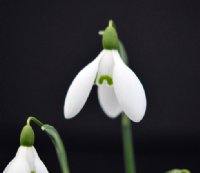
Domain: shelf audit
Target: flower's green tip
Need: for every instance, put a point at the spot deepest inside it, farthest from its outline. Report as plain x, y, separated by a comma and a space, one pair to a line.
27, 136
110, 38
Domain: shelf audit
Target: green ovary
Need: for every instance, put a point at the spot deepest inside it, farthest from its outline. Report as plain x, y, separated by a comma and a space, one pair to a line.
107, 78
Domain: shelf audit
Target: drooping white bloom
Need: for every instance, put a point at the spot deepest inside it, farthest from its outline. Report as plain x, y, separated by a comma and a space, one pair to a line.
26, 161
119, 89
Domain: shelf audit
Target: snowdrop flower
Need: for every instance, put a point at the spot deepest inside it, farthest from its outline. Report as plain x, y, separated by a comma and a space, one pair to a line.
119, 89
26, 159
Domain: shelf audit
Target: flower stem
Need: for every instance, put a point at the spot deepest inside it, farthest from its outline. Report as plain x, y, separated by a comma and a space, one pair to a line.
129, 159
35, 120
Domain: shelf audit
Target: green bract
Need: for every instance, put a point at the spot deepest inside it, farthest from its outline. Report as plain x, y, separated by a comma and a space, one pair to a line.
110, 38
27, 136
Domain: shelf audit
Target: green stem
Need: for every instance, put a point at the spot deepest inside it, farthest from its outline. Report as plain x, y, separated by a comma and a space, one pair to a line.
35, 120
129, 159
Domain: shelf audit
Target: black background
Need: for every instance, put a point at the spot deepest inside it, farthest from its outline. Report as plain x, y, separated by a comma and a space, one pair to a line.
44, 44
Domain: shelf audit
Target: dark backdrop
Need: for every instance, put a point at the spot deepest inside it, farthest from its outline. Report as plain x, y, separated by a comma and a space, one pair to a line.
44, 44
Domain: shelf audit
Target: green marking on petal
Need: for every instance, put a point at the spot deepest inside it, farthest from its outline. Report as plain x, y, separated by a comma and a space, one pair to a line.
107, 78
33, 172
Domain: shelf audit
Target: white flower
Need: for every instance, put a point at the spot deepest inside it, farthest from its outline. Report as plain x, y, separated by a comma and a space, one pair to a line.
119, 89
26, 161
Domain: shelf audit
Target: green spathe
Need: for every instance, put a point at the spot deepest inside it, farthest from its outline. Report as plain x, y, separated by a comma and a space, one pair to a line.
59, 146
110, 38
27, 136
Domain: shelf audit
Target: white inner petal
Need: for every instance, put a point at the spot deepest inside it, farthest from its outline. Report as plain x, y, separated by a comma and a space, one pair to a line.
105, 70
108, 101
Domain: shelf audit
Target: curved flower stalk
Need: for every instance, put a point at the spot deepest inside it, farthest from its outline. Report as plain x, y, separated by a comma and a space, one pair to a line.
26, 159
119, 89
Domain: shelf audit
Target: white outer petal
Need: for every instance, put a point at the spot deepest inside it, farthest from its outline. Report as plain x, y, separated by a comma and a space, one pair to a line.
39, 166
19, 163
25, 161
128, 89
80, 88
108, 101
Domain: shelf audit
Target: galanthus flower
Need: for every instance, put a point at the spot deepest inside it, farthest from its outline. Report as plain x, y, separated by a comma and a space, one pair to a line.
26, 159
119, 89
